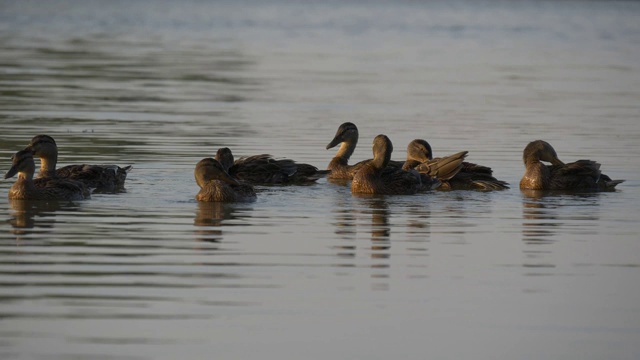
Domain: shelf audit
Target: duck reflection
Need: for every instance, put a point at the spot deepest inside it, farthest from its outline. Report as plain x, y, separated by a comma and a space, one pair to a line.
377, 208
419, 222
380, 229
31, 216
345, 227
348, 218
540, 219
546, 214
210, 217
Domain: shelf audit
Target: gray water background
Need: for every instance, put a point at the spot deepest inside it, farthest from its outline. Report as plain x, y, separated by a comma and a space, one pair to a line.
312, 272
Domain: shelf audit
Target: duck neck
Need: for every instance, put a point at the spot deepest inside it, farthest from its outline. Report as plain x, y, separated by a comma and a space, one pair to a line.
48, 165
380, 161
346, 150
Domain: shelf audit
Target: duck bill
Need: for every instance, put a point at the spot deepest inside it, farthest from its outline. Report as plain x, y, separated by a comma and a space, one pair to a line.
556, 161
11, 173
336, 140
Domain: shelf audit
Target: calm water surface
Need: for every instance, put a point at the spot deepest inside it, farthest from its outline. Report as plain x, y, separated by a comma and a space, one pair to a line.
313, 272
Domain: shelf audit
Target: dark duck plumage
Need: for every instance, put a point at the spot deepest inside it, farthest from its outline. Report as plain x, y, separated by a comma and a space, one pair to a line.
578, 175
376, 177
25, 188
265, 170
102, 178
218, 186
469, 176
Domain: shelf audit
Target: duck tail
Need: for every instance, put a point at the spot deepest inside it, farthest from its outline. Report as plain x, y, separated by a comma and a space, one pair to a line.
605, 182
611, 184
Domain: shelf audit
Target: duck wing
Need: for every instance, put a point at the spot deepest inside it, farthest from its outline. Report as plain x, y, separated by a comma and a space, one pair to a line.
443, 168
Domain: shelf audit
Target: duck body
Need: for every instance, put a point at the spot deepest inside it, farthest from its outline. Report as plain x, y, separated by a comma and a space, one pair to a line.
218, 186
25, 188
220, 191
452, 171
578, 175
265, 170
375, 177
372, 180
102, 178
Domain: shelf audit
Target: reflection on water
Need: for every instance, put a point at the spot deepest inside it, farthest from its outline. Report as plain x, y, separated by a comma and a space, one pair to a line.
377, 209
344, 223
548, 215
349, 219
210, 217
34, 217
540, 220
380, 227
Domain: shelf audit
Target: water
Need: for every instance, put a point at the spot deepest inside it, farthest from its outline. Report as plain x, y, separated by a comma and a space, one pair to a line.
313, 272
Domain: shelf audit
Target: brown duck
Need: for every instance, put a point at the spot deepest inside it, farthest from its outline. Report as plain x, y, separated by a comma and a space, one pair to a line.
217, 186
442, 169
469, 176
578, 175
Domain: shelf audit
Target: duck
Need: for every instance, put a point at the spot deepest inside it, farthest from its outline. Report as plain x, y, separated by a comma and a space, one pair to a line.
102, 178
376, 177
265, 170
469, 176
218, 186
442, 169
347, 136
578, 175
25, 188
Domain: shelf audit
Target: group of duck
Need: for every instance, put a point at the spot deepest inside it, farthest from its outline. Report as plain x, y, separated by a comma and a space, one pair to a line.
225, 179
72, 182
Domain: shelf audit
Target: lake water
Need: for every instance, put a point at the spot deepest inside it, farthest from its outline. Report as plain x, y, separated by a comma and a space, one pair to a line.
312, 272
